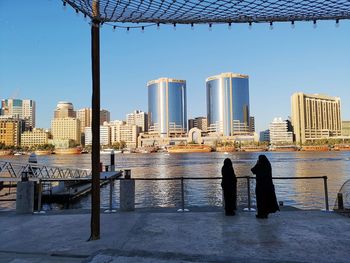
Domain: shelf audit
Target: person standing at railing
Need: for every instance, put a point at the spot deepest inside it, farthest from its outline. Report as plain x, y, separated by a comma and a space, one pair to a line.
229, 187
266, 201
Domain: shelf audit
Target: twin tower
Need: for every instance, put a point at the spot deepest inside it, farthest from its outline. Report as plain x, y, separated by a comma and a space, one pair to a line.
227, 105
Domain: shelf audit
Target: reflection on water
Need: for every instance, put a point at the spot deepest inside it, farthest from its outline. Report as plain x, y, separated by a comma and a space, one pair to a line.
300, 193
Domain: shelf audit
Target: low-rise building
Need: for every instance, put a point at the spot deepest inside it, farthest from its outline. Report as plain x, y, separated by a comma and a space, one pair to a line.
10, 130
280, 132
35, 137
105, 135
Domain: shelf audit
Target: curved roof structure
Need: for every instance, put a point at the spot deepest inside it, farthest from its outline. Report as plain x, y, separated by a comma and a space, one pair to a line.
213, 11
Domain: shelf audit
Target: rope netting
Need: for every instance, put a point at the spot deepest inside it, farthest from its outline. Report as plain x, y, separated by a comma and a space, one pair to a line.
211, 11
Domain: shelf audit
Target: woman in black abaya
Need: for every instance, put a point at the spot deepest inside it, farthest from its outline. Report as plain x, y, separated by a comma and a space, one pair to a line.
266, 201
229, 187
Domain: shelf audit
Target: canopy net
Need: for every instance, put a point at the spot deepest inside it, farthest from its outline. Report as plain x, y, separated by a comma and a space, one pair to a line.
210, 11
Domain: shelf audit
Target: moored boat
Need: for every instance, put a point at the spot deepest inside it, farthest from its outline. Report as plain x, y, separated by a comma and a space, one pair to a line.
189, 149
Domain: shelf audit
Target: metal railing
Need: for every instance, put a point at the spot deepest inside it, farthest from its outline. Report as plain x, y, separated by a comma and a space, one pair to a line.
14, 170
248, 178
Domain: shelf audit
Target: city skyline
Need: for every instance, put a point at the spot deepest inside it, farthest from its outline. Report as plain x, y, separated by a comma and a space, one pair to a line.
287, 61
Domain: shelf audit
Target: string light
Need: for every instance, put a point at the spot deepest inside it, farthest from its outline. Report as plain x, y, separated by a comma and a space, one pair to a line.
337, 23
127, 30
315, 24
143, 29
174, 24
158, 26
292, 24
271, 25
114, 27
85, 17
250, 25
192, 26
64, 6
76, 12
229, 26
210, 27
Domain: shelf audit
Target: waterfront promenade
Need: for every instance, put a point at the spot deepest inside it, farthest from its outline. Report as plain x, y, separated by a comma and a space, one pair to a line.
164, 235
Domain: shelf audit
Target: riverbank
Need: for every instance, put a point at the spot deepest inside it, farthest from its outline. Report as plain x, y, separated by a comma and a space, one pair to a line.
169, 236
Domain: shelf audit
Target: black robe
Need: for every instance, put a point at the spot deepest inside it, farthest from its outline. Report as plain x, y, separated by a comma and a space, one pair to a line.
229, 186
266, 201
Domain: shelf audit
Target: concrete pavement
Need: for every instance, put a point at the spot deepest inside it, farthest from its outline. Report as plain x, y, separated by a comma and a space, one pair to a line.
169, 236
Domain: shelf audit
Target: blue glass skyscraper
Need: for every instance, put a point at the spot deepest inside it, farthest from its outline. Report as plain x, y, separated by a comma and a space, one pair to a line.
228, 104
167, 106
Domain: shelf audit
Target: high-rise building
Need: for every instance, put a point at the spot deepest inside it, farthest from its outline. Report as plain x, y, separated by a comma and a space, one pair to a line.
280, 132
22, 109
34, 137
66, 129
10, 130
251, 124
264, 136
85, 117
138, 118
105, 116
64, 109
315, 116
345, 128
198, 122
167, 108
105, 135
228, 104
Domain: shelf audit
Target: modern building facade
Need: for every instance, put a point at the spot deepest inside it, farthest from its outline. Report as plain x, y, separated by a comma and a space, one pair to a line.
280, 132
138, 118
85, 117
264, 136
10, 130
22, 109
345, 131
120, 131
198, 122
228, 104
64, 109
34, 137
66, 129
167, 107
105, 135
315, 117
251, 124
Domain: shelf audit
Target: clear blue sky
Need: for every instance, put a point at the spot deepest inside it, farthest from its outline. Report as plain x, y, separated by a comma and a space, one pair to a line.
45, 56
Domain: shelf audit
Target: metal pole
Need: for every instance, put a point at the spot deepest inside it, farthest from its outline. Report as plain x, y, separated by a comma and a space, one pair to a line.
248, 192
182, 195
39, 195
95, 123
110, 194
326, 192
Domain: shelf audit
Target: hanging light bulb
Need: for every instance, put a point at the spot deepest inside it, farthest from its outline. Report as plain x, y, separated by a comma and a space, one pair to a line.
292, 24
158, 26
174, 24
192, 26
250, 25
127, 30
143, 29
85, 17
210, 27
229, 26
337, 23
271, 25
114, 27
76, 12
315, 24
64, 6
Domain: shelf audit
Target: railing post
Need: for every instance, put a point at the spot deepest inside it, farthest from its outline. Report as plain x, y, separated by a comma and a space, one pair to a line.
326, 192
39, 195
182, 195
248, 192
111, 188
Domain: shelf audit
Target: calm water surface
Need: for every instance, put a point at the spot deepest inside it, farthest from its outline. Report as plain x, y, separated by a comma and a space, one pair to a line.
299, 193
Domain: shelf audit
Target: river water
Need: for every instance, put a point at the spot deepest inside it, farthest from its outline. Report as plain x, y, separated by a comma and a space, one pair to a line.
307, 194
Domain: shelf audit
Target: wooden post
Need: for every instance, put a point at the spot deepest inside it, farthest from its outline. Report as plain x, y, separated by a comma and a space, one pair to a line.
95, 123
